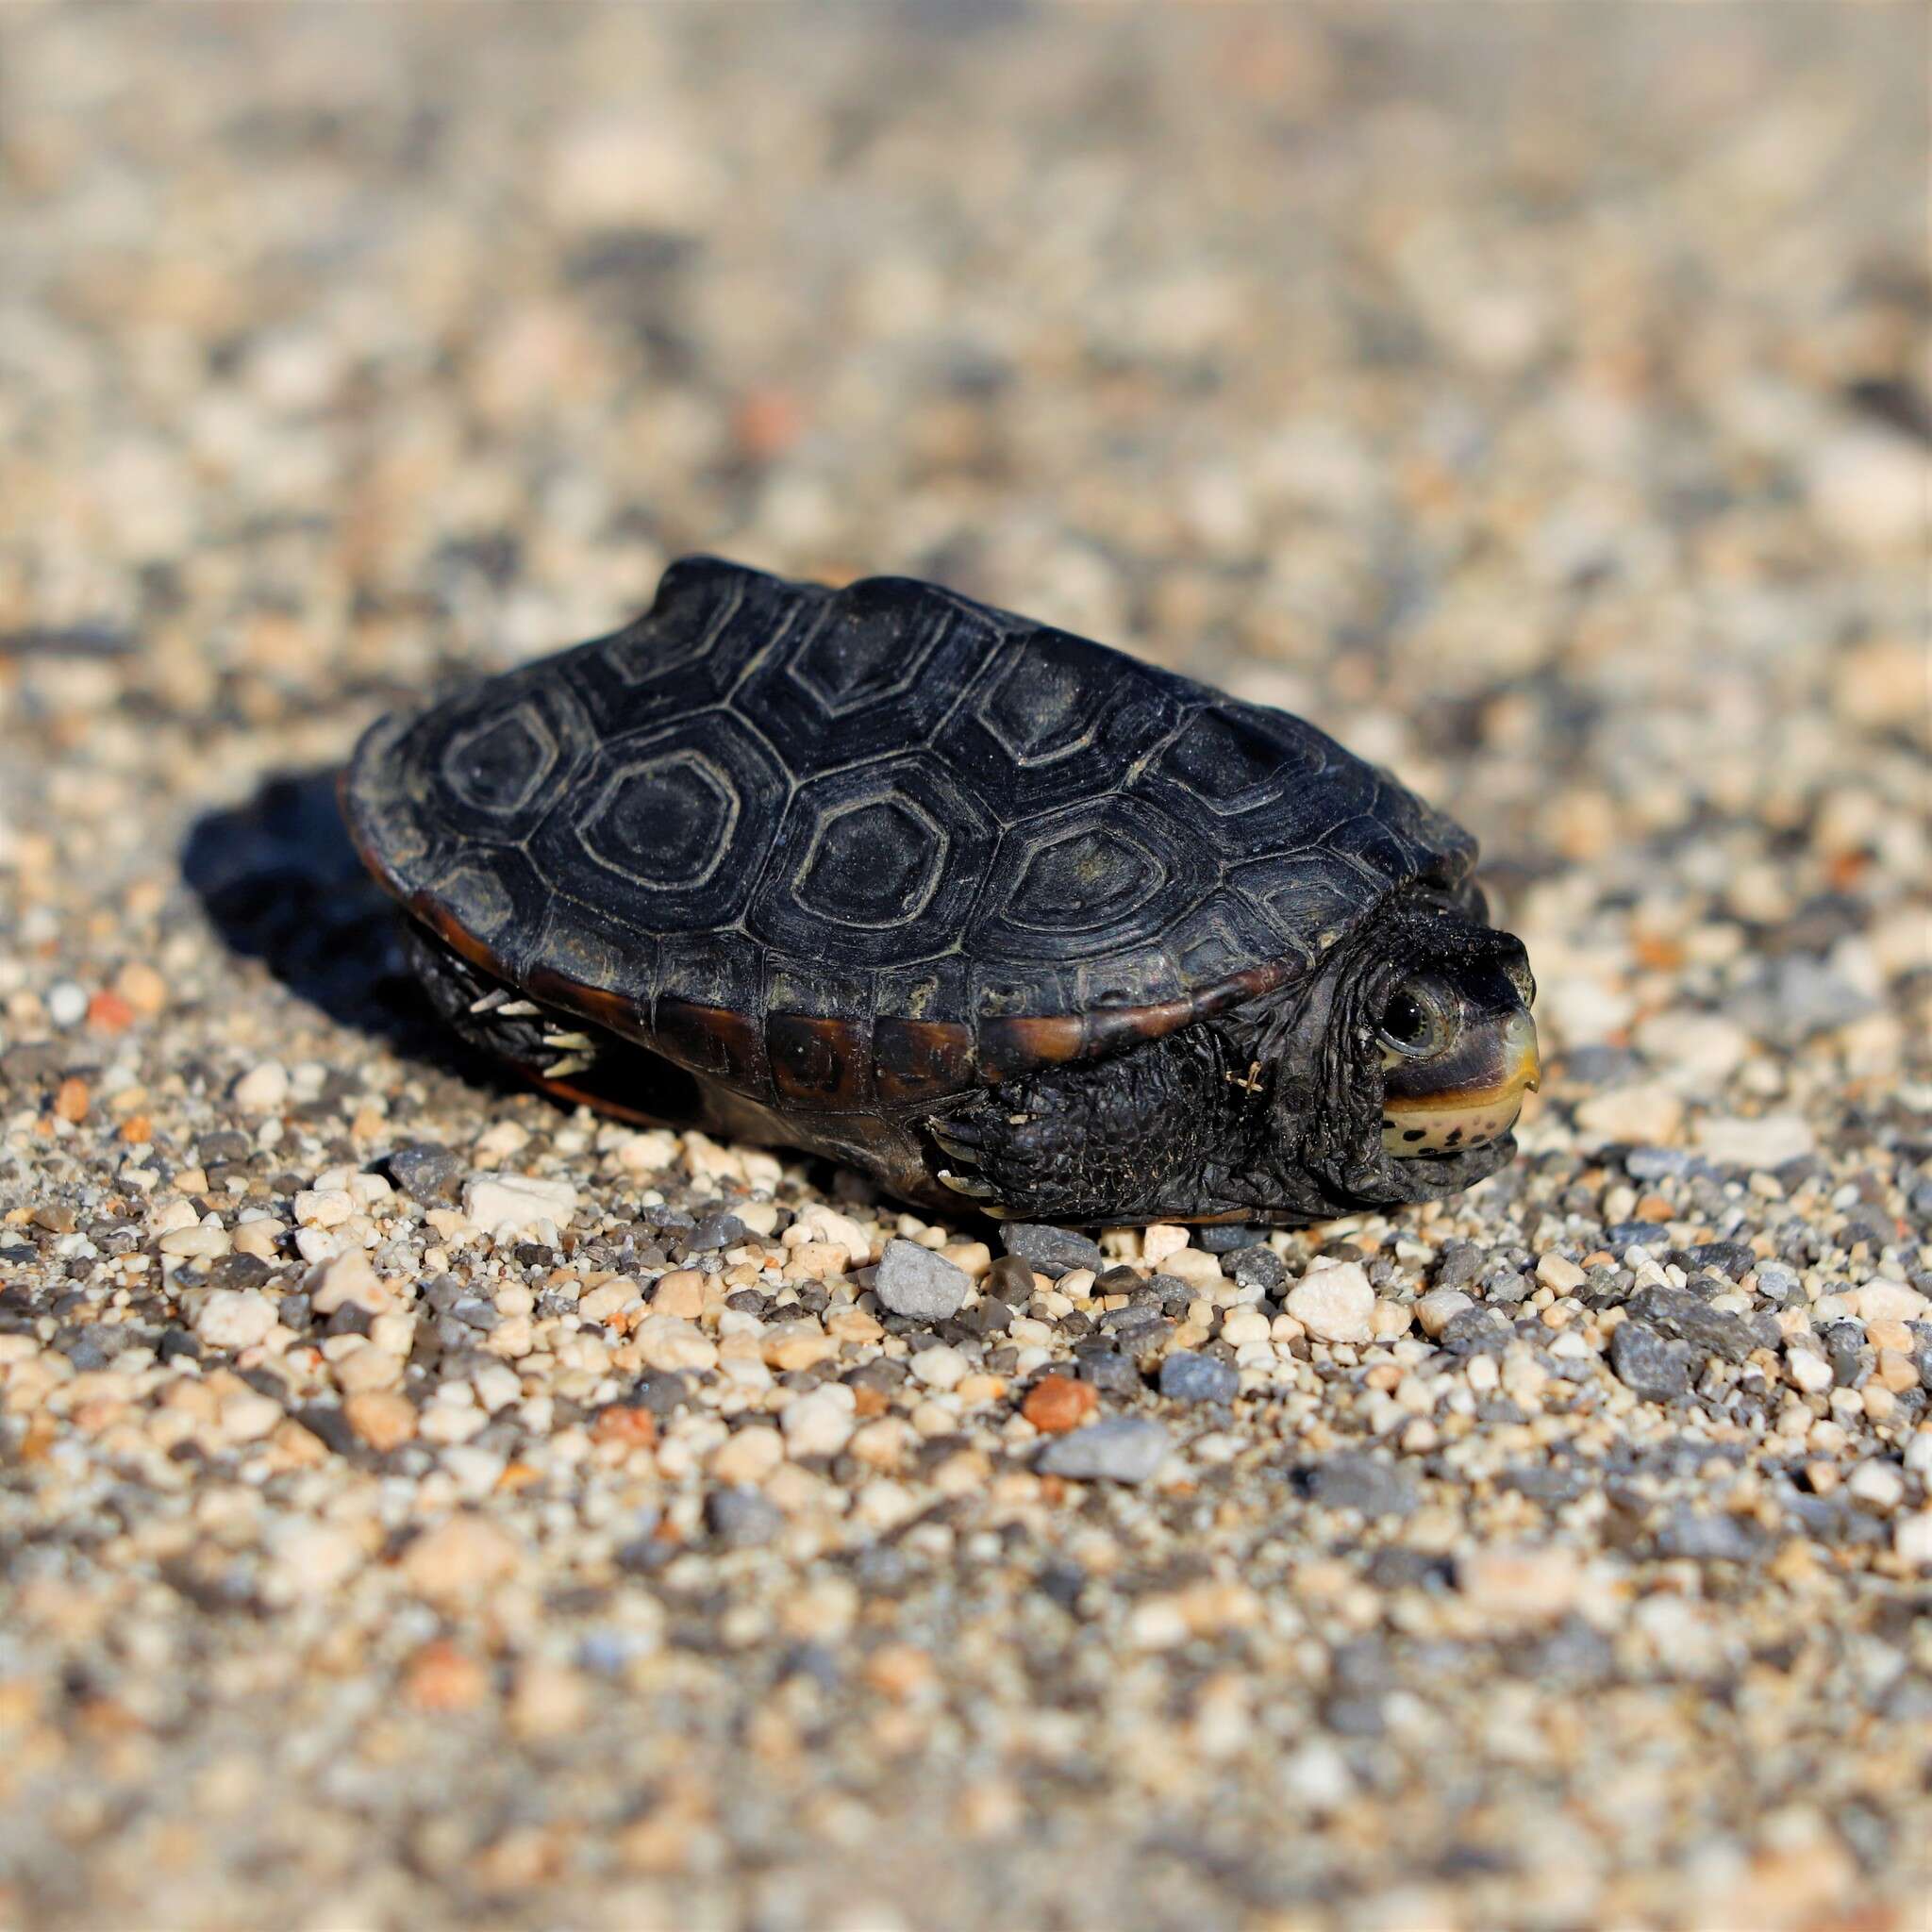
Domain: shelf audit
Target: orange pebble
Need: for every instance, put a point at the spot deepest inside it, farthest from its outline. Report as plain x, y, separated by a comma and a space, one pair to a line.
635, 1428
1055, 1403
71, 1100
108, 1012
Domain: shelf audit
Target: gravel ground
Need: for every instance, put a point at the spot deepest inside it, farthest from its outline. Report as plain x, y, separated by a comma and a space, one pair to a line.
421, 1505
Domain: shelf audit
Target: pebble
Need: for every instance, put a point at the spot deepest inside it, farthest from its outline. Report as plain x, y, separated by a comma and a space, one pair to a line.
941, 1368
517, 1202
381, 1418
1438, 1307
1363, 1483
1051, 1251
263, 1089
1651, 1367
1650, 1112
742, 1518
816, 1424
1334, 1301
235, 1318
459, 1559
1055, 1403
922, 1286
66, 1004
1189, 1377
1122, 1449
1688, 1318
1516, 1587
425, 1171
1765, 1143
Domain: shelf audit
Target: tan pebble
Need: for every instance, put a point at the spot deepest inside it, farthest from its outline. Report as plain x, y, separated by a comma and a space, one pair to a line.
1559, 1273
899, 1670
1243, 1325
680, 1293
199, 1242
972, 1258
382, 1417
1647, 1113
748, 1456
261, 1239
71, 1100
465, 1555
547, 1700
1334, 1301
1196, 1266
366, 1367
349, 1278
1878, 1402
235, 1318
852, 1325
1160, 1242
1076, 1284
262, 1088
440, 1677
324, 1208
1897, 1371
1890, 1301
1520, 1586
1887, 1333
976, 1389
880, 1443
939, 1368
817, 1424
1390, 1318
142, 988
817, 1260
803, 1348
962, 1475
663, 1343
249, 1417
1912, 1541
517, 1201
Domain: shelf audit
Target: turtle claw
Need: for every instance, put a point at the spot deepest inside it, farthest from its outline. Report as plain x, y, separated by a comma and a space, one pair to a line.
518, 1010
496, 997
571, 1043
570, 1063
976, 1191
960, 1141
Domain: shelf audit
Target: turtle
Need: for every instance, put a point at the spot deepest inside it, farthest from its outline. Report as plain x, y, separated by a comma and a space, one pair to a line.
999, 916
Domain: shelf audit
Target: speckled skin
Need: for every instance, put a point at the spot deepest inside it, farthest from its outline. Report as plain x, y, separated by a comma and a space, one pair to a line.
980, 906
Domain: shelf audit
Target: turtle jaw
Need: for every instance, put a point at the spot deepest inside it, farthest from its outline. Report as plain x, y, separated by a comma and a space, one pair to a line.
1465, 1097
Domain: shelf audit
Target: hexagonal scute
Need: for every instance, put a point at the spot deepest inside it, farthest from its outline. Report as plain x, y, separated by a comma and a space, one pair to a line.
873, 863
498, 764
663, 821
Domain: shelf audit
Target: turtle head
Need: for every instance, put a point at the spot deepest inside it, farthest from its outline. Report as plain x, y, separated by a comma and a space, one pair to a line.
1458, 1048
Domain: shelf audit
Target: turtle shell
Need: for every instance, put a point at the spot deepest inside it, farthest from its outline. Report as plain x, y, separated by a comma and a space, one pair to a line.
858, 849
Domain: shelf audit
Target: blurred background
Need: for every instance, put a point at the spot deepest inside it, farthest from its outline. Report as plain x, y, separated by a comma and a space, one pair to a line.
1535, 397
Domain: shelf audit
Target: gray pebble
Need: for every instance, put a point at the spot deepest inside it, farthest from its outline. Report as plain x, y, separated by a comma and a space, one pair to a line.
741, 1516
1258, 1267
425, 1171
1648, 1364
1227, 1238
1190, 1377
1683, 1317
1779, 1284
1123, 1449
1720, 1538
713, 1232
915, 1282
1110, 1372
1051, 1251
1362, 1483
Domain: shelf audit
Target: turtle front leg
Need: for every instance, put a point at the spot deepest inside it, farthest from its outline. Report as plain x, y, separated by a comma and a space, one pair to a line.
1134, 1138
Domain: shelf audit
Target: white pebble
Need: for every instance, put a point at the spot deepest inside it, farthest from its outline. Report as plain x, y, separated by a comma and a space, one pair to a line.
1438, 1307
1334, 1301
235, 1318
263, 1088
66, 1004
517, 1201
941, 1368
815, 1424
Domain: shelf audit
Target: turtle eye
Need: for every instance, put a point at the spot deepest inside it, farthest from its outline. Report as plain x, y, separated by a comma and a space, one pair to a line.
1412, 1023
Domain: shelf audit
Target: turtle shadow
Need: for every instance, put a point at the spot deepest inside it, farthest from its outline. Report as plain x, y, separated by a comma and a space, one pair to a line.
281, 883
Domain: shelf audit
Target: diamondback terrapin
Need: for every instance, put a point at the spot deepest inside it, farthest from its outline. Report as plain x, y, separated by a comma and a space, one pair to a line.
990, 911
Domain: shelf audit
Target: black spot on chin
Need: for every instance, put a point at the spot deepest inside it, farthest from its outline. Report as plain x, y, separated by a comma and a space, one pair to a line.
1415, 1133
1456, 1137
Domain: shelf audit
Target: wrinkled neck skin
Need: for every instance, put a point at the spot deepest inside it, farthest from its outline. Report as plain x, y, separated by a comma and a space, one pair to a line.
1320, 1152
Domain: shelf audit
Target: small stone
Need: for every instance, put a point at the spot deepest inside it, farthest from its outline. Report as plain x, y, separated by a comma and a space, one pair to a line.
680, 1295
1334, 1301
1189, 1377
1561, 1274
941, 1368
517, 1202
1912, 1541
742, 1518
1647, 1113
922, 1286
142, 988
1519, 1587
1122, 1449
1258, 1266
1688, 1318
1880, 1484
461, 1558
1362, 1483
348, 1281
380, 1418
1651, 1367
425, 1171
235, 1318
817, 1425
1766, 1142
66, 1004
1438, 1307
1890, 1301
1161, 1241
748, 1454
1051, 1251
263, 1089
1055, 1403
